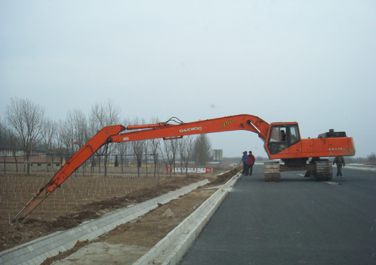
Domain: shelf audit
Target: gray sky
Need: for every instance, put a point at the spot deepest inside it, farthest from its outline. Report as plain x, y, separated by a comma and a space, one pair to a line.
313, 62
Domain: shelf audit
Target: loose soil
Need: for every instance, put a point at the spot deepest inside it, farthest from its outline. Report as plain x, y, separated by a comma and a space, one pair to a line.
137, 237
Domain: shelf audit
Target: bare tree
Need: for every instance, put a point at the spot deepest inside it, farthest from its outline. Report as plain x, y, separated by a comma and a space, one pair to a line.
185, 151
77, 131
3, 133
170, 150
165, 155
103, 115
4, 140
372, 158
154, 147
123, 149
61, 141
27, 122
138, 148
74, 131
49, 140
201, 150
146, 149
8, 140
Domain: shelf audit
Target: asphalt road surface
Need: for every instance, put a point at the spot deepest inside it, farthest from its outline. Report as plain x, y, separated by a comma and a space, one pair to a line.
294, 221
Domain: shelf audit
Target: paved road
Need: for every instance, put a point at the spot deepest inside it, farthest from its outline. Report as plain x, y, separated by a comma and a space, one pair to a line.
295, 221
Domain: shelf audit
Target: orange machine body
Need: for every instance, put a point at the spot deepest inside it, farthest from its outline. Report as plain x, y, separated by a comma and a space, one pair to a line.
293, 147
282, 141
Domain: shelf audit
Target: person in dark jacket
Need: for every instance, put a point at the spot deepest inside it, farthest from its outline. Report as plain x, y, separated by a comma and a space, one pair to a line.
244, 161
283, 136
250, 161
340, 161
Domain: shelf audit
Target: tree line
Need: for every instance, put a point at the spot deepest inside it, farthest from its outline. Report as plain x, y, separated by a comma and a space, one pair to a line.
26, 127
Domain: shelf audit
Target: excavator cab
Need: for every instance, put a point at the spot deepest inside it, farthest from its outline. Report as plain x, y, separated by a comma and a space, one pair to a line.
281, 136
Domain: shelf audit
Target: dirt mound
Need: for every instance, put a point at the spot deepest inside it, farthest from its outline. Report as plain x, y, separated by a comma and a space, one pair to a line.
67, 253
222, 179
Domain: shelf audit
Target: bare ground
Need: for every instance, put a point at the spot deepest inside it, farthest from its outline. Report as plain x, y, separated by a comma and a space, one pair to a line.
134, 238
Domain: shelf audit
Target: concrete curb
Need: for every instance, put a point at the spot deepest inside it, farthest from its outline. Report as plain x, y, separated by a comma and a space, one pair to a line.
38, 250
171, 249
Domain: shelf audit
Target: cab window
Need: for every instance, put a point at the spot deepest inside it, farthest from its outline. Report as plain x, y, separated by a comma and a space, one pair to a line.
294, 134
278, 134
282, 137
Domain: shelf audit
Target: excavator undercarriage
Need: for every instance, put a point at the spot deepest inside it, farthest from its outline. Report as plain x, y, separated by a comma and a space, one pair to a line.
319, 170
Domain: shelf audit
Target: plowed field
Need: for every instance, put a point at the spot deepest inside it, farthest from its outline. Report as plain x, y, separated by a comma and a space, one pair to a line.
79, 199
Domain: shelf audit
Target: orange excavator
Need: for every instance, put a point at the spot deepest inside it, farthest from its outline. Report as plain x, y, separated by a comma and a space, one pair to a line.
282, 141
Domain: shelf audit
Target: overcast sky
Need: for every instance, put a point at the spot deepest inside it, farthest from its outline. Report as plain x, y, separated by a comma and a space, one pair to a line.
313, 62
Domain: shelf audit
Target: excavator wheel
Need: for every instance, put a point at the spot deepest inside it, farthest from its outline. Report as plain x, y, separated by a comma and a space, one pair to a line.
323, 172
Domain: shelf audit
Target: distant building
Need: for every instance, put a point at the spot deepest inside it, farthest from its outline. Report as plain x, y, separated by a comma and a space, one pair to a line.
6, 150
37, 160
217, 155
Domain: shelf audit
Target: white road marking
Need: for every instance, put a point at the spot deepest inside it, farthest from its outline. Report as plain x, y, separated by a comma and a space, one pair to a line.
332, 183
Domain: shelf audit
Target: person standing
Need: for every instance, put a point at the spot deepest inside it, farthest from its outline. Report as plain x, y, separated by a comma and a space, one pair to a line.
244, 160
340, 161
250, 162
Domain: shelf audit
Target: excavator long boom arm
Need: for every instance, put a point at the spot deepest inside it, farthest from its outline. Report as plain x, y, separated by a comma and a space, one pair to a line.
149, 131
171, 131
